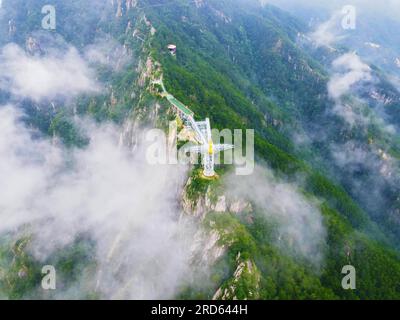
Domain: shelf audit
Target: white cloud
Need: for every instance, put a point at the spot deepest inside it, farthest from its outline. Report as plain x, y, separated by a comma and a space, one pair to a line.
329, 32
300, 228
354, 156
126, 206
108, 52
349, 70
40, 77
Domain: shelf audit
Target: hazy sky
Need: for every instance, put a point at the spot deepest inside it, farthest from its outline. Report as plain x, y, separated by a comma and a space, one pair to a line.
390, 8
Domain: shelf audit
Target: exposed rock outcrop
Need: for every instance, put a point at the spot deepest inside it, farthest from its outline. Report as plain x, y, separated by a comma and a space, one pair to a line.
247, 276
210, 201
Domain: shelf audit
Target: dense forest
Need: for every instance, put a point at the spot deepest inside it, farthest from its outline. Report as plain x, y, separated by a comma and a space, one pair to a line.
242, 67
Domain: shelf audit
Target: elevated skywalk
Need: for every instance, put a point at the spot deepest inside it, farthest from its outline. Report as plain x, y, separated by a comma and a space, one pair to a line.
203, 133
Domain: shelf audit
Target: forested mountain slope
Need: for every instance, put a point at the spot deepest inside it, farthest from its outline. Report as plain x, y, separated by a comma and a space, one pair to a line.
255, 53
302, 216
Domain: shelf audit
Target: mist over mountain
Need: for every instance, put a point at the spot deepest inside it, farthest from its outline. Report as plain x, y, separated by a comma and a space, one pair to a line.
78, 103
374, 35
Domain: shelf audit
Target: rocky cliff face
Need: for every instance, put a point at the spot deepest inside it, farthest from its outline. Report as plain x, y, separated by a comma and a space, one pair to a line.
214, 241
199, 197
246, 278
211, 201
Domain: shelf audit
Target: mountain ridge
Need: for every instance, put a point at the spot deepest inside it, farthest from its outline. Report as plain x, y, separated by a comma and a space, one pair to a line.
234, 68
